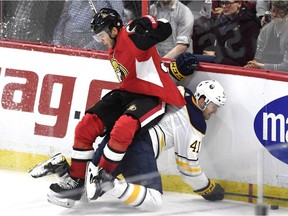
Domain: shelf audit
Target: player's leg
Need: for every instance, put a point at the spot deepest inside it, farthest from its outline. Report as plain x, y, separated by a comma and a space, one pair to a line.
98, 120
93, 124
142, 186
140, 170
139, 164
135, 195
140, 114
72, 183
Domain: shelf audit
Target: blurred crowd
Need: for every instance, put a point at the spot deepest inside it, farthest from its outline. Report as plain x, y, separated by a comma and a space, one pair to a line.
251, 34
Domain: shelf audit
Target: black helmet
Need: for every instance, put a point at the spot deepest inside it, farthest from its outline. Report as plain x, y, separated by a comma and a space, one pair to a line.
106, 17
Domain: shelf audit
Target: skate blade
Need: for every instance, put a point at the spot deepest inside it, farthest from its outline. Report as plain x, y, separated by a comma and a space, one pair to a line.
63, 202
40, 171
90, 187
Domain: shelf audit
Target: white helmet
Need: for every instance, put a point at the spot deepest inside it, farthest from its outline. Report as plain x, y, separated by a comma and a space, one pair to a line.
212, 90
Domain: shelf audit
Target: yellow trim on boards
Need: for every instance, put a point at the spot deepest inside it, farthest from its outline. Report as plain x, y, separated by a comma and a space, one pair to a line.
237, 191
20, 161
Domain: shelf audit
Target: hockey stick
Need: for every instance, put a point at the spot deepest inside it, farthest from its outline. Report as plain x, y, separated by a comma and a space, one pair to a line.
92, 6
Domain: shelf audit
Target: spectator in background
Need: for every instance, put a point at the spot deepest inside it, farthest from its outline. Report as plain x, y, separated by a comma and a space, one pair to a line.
74, 28
201, 36
210, 11
272, 43
30, 20
235, 34
181, 19
263, 8
196, 7
134, 8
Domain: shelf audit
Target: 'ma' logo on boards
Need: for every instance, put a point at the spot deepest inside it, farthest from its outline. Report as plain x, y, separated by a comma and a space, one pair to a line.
276, 125
271, 127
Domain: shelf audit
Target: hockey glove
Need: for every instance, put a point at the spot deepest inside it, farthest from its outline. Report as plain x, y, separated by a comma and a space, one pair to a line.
184, 66
144, 25
212, 191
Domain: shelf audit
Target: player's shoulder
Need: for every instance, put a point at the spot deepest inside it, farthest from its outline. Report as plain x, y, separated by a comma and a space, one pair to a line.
194, 113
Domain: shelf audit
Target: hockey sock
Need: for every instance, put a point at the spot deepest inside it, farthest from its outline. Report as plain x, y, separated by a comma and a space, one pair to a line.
136, 195
87, 130
121, 137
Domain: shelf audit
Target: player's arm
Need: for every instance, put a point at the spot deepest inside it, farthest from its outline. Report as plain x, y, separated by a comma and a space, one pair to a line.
188, 162
147, 31
192, 174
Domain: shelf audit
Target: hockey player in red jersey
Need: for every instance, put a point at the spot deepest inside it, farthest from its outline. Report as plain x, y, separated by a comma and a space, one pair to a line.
138, 104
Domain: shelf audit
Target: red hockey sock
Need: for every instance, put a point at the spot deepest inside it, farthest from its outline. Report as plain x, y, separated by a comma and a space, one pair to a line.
87, 130
121, 137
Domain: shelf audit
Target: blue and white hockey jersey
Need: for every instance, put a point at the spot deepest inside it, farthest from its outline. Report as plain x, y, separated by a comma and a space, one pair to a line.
183, 128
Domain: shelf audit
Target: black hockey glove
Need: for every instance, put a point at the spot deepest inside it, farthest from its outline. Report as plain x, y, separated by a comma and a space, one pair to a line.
144, 25
212, 192
184, 66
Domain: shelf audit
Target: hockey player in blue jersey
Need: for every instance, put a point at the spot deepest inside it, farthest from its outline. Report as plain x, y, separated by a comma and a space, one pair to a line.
182, 128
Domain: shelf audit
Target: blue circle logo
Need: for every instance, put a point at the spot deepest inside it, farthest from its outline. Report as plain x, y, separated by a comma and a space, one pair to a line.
271, 128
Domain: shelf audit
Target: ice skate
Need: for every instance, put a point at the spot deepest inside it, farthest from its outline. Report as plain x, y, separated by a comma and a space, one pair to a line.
64, 202
54, 165
68, 187
97, 181
67, 192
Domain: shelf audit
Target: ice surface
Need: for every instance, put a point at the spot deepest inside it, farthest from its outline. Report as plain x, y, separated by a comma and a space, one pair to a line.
23, 195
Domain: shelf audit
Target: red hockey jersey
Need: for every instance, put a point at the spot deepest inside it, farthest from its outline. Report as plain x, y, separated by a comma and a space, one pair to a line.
142, 71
